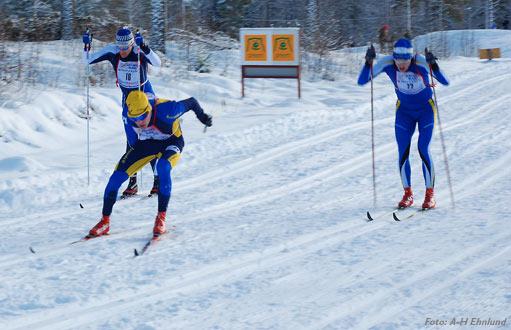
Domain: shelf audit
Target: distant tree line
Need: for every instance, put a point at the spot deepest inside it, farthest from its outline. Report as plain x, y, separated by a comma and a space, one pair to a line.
325, 24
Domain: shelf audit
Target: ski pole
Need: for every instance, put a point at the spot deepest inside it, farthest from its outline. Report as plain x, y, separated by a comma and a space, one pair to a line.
87, 48
139, 88
441, 135
138, 64
372, 136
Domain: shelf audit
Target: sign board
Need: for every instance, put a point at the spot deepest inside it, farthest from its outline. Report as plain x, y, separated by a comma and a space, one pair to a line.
270, 53
270, 46
490, 53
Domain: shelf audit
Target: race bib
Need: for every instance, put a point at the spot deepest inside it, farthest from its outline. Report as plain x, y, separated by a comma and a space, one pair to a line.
127, 74
151, 133
409, 82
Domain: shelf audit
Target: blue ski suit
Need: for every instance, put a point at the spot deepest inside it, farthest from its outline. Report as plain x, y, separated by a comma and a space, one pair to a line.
161, 140
414, 107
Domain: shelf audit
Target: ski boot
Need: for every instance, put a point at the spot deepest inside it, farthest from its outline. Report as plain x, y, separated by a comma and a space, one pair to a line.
156, 186
429, 199
101, 228
159, 224
407, 199
132, 188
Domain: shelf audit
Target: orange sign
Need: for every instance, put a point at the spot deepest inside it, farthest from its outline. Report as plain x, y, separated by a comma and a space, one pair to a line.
255, 47
283, 47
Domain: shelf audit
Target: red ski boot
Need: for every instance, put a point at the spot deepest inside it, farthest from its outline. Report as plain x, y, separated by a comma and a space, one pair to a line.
132, 188
407, 199
159, 224
102, 227
429, 199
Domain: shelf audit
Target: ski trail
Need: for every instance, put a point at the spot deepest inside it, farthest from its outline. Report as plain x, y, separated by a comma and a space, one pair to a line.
240, 266
328, 174
461, 264
465, 269
269, 155
200, 279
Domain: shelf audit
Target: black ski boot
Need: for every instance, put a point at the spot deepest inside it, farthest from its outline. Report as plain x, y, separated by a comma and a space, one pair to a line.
132, 188
156, 186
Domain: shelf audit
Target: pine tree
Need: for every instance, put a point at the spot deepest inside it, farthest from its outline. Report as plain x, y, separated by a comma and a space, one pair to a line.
67, 19
158, 25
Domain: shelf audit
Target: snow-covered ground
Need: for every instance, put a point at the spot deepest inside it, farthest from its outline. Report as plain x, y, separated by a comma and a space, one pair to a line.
268, 207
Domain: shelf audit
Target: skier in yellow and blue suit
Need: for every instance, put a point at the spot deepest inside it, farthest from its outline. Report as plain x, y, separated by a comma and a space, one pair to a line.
156, 123
410, 76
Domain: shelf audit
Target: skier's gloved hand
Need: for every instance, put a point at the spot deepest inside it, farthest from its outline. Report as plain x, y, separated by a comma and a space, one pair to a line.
370, 55
139, 40
430, 58
205, 119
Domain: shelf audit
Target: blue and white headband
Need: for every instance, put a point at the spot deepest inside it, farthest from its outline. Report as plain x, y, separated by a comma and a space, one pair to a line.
403, 49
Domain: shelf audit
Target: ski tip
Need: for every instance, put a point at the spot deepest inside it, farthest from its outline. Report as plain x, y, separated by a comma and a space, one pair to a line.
136, 252
81, 206
395, 216
369, 217
31, 249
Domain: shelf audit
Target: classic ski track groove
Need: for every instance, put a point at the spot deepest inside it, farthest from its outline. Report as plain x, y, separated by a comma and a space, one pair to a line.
394, 309
279, 151
460, 261
216, 272
214, 275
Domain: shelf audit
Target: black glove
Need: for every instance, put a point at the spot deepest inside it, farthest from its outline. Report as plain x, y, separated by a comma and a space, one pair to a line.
370, 55
205, 119
430, 58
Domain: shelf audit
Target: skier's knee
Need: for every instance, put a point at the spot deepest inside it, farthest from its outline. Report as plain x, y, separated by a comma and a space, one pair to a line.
163, 166
115, 182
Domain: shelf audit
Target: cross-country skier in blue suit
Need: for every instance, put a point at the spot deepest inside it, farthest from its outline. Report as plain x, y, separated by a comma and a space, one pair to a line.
410, 75
124, 58
159, 137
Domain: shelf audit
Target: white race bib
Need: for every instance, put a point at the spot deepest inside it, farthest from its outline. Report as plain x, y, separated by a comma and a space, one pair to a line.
409, 82
151, 133
127, 74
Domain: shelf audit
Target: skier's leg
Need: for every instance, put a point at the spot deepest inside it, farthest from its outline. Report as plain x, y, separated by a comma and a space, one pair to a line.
111, 191
164, 167
404, 129
426, 126
132, 161
156, 179
131, 139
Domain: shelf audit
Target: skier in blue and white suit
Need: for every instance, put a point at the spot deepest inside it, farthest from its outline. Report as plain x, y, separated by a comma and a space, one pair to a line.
410, 76
124, 59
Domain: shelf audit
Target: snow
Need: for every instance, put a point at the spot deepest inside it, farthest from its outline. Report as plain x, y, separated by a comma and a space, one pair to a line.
268, 207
